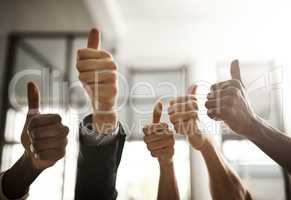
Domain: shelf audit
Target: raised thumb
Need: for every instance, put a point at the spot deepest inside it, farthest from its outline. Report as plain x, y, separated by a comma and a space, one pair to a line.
235, 70
157, 112
32, 98
93, 39
192, 90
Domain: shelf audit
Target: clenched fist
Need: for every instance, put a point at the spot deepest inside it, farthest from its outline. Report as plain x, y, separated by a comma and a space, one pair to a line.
228, 101
183, 114
159, 138
99, 77
44, 137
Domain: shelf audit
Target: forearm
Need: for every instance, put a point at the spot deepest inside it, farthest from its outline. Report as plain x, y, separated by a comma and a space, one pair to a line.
17, 180
168, 188
272, 142
224, 184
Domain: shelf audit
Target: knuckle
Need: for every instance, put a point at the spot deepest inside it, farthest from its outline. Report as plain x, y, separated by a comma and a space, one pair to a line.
65, 142
195, 114
235, 83
194, 105
114, 90
172, 141
112, 64
57, 117
114, 76
106, 54
81, 51
64, 130
213, 87
235, 91
35, 121
149, 147
145, 139
79, 65
210, 113
172, 118
207, 104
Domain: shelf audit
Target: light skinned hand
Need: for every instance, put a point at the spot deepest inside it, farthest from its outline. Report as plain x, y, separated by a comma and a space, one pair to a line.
98, 74
159, 138
183, 113
228, 101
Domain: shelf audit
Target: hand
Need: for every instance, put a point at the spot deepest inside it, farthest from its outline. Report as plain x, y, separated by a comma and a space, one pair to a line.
228, 101
44, 137
183, 114
98, 75
158, 138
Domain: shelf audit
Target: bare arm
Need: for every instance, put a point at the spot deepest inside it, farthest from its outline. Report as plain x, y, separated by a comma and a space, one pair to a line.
272, 142
223, 182
228, 101
168, 188
160, 142
17, 180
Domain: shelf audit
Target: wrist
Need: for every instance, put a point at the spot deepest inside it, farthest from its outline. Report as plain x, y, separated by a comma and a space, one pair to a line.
250, 128
253, 132
108, 106
206, 147
27, 163
197, 140
17, 180
165, 161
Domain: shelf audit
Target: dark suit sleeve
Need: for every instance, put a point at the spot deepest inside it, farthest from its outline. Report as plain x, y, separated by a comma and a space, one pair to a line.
97, 168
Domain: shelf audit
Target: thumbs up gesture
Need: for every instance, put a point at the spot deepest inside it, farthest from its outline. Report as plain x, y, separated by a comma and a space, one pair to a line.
159, 138
99, 77
44, 137
183, 114
228, 101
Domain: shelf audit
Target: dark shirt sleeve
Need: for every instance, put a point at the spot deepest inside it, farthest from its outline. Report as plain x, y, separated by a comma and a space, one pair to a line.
97, 164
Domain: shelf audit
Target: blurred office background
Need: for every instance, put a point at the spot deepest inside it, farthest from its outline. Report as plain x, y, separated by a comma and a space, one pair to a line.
160, 44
